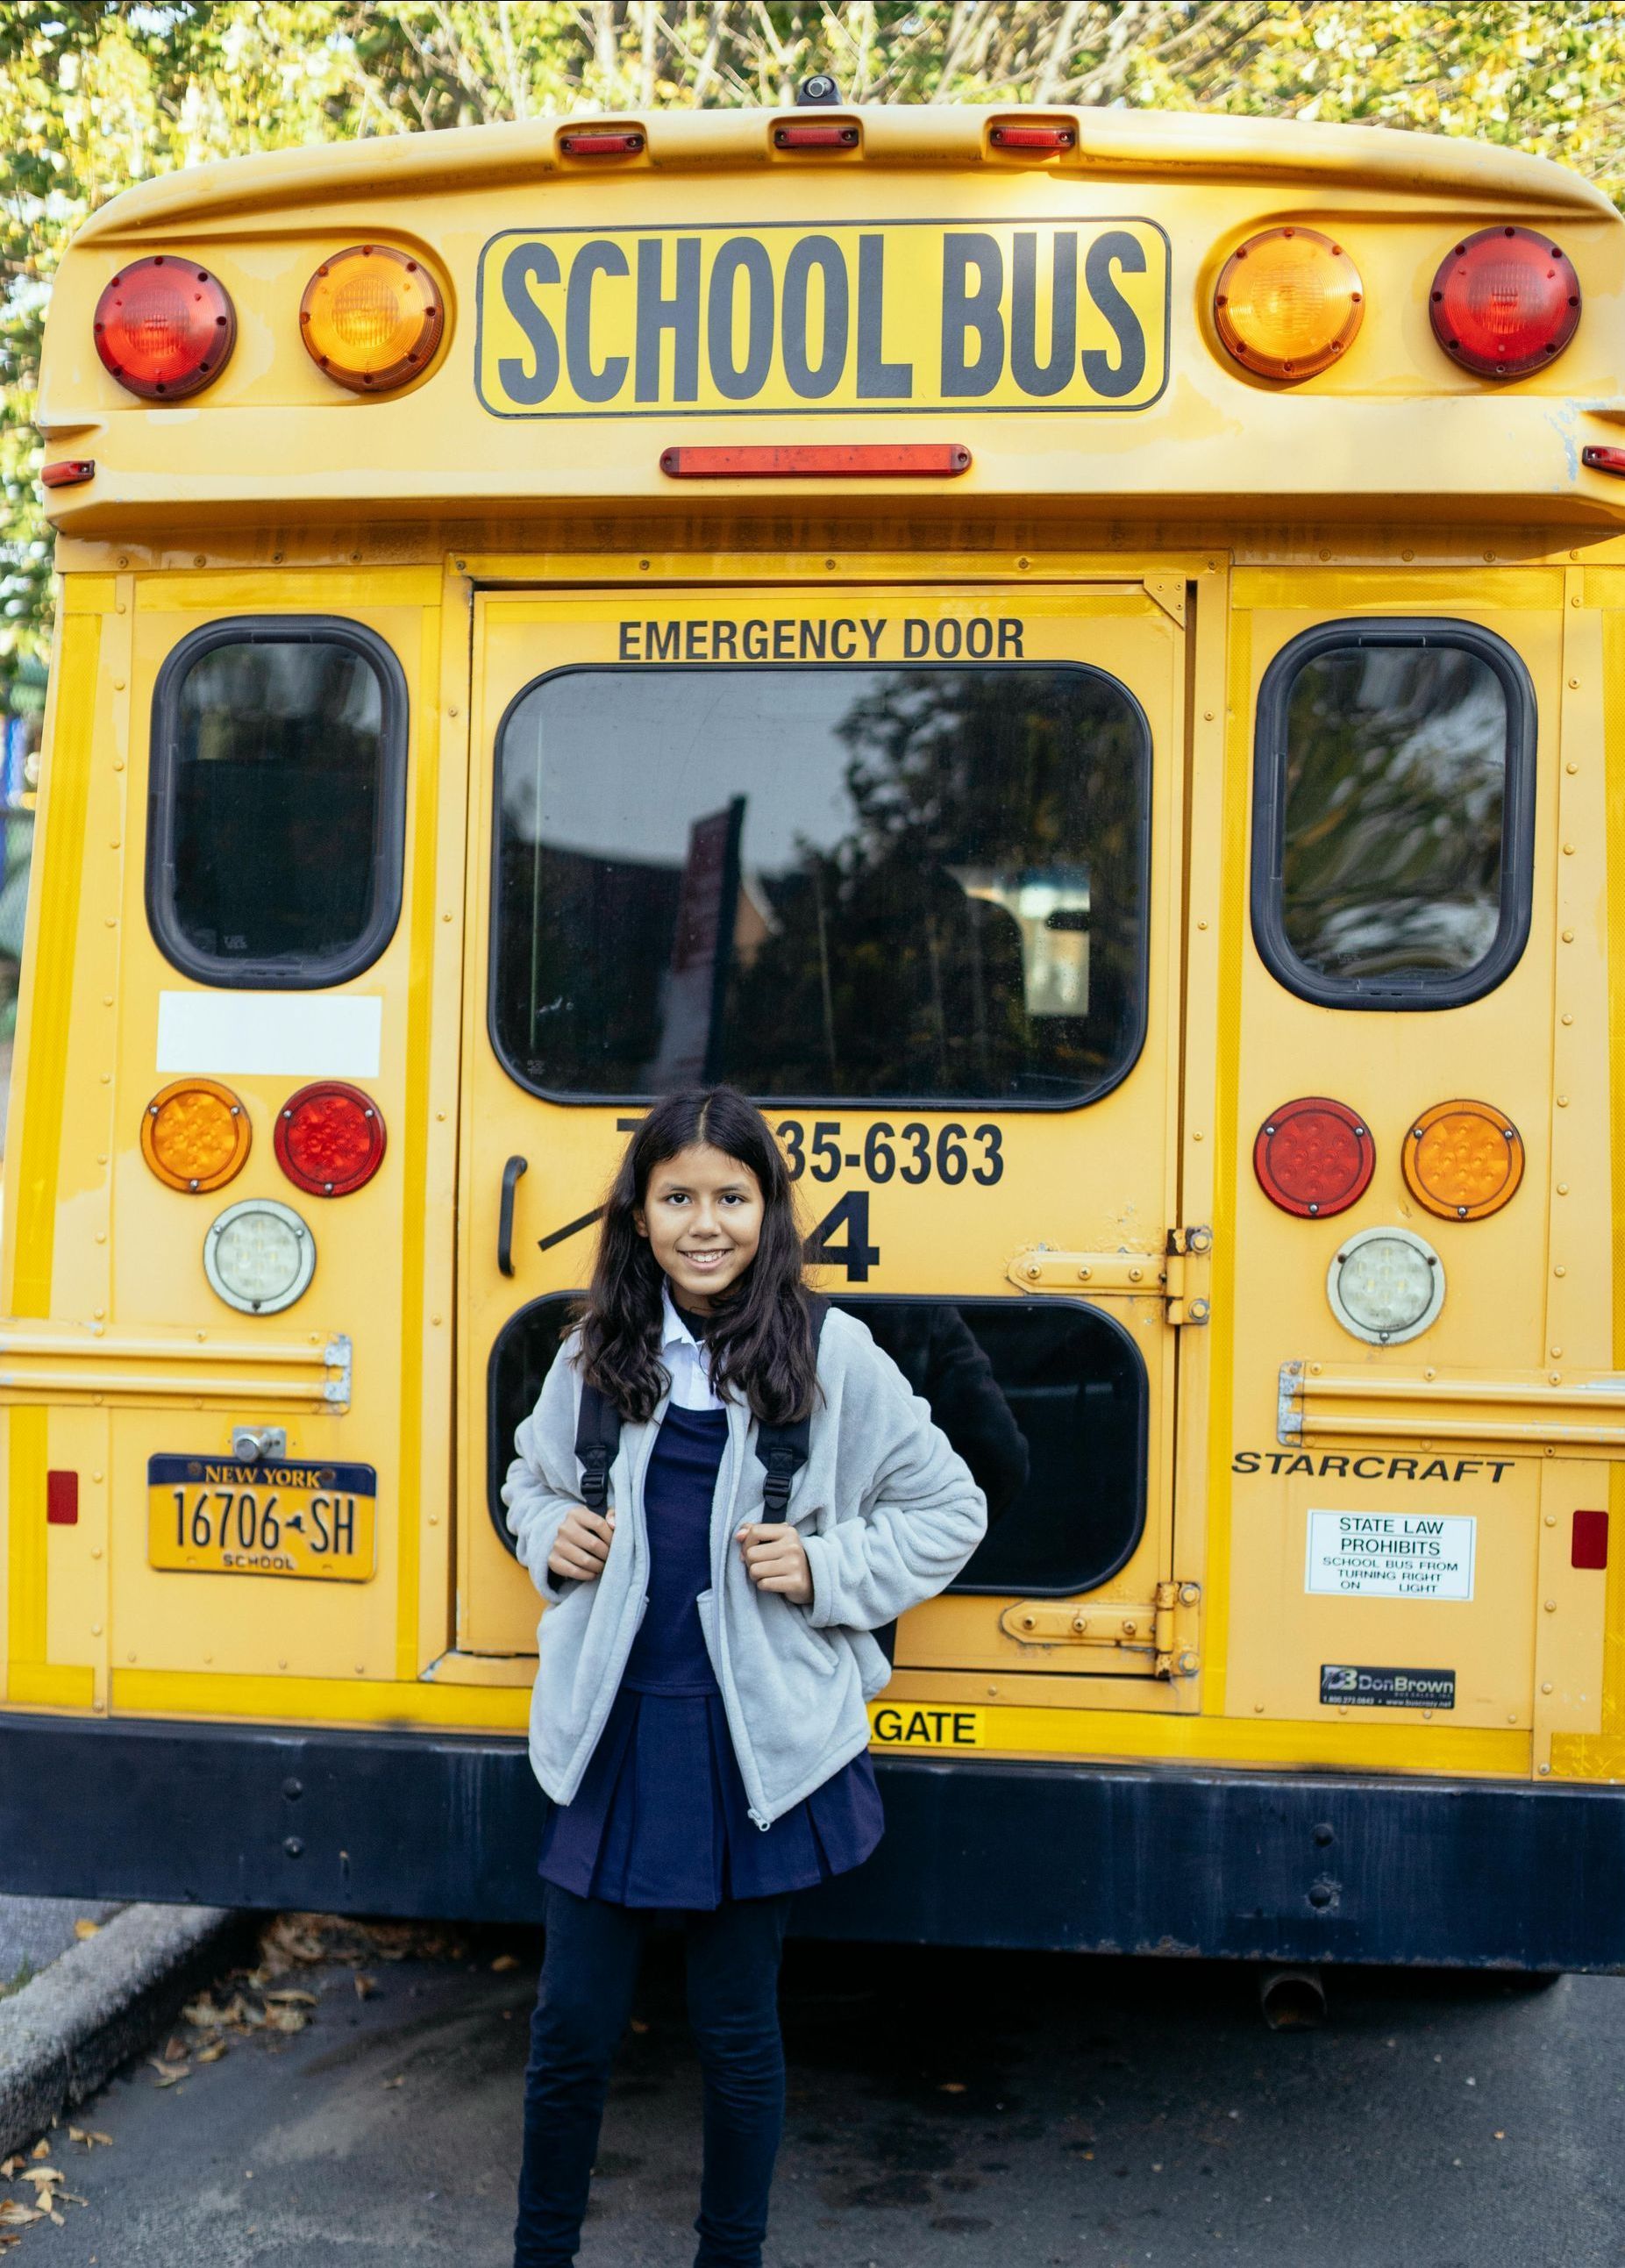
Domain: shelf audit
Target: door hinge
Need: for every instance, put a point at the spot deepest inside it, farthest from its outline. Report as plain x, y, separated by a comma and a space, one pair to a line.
1179, 1275
1161, 1631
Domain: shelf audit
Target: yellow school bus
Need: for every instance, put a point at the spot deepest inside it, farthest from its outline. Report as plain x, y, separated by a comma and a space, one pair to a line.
1077, 657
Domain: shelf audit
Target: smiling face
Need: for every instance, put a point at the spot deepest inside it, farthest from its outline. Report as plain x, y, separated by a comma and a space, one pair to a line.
701, 1213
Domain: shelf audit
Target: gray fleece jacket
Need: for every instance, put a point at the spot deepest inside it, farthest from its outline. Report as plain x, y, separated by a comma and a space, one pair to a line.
889, 1515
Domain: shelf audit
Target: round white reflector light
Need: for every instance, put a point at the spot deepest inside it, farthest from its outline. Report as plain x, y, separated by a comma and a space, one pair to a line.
1386, 1285
259, 1256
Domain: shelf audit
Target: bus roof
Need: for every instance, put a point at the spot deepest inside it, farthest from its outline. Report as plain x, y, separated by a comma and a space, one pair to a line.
602, 313
1139, 145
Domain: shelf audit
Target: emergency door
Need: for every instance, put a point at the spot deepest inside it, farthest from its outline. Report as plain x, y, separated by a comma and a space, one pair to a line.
904, 867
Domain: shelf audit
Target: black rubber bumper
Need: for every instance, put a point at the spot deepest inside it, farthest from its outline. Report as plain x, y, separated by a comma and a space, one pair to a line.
1089, 1858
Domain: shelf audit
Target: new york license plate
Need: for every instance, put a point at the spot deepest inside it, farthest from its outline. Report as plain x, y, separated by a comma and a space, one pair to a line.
216, 1516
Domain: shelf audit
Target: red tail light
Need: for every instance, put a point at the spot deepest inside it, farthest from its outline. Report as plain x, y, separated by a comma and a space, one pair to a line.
330, 1138
164, 326
1314, 1156
68, 473
1506, 302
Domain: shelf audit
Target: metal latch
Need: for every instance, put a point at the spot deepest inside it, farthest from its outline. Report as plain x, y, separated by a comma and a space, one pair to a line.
1164, 1630
1179, 1275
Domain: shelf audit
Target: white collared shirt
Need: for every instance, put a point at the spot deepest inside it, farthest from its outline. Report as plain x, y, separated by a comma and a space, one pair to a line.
685, 1358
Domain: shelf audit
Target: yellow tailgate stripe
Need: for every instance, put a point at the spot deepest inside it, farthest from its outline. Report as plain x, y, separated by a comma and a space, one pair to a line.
59, 858
414, 1179
1222, 1327
1601, 1755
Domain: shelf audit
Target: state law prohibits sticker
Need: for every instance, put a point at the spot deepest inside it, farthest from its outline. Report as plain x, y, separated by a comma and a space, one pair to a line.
1391, 1555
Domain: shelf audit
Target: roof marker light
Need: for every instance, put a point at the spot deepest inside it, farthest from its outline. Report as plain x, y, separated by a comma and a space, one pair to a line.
809, 134
371, 316
1462, 1160
1314, 1156
829, 460
1289, 303
164, 328
1042, 140
68, 473
1597, 458
1504, 302
623, 142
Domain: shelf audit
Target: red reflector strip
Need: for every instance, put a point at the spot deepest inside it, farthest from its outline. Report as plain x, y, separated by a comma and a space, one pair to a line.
826, 137
834, 460
1601, 460
1590, 1547
68, 472
62, 1499
601, 145
1032, 137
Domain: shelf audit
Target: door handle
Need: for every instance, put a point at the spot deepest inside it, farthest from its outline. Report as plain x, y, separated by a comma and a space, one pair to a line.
511, 1173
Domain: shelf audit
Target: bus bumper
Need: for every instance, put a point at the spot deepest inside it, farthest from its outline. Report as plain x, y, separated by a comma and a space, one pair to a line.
1075, 1857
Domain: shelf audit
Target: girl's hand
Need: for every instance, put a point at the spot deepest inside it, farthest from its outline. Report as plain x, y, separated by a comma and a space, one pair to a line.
582, 1545
775, 1560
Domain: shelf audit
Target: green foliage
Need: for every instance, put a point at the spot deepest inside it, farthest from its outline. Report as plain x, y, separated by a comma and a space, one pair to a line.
95, 94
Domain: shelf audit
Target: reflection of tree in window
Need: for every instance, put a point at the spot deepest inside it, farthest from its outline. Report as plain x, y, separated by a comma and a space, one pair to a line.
1395, 780
934, 881
277, 787
985, 804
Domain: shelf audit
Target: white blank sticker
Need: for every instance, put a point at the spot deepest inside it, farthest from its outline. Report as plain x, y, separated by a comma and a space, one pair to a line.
288, 1034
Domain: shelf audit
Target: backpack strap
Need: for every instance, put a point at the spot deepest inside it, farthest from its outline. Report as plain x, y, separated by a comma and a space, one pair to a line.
783, 1449
598, 1437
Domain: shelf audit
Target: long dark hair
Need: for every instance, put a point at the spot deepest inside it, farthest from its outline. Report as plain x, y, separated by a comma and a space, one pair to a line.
761, 1336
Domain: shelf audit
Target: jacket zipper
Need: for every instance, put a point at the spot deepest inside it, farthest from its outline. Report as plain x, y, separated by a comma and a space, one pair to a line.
719, 1569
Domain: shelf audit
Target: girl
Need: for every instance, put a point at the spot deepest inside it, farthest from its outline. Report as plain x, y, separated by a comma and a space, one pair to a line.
699, 1716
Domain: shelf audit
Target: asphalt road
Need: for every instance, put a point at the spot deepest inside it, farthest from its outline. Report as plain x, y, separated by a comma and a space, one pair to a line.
994, 2110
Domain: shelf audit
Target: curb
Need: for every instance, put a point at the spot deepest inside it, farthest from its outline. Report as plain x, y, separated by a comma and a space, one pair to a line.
68, 2030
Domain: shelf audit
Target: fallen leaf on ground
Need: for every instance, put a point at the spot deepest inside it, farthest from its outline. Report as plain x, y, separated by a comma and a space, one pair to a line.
639, 2025
291, 1995
42, 2148
87, 1928
951, 2086
212, 2053
366, 1986
169, 2074
44, 2175
504, 1961
9, 2168
388, 2083
15, 2214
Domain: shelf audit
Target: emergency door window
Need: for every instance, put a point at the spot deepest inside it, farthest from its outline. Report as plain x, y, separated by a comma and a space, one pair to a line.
1394, 811
277, 802
883, 883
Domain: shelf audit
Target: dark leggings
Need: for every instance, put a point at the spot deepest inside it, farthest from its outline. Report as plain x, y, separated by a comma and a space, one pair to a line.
587, 1974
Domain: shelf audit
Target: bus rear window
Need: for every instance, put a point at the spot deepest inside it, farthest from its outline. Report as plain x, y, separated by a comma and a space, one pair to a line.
277, 803
904, 883
1395, 763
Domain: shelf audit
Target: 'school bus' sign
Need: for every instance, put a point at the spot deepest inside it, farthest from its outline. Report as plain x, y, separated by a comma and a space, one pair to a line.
905, 316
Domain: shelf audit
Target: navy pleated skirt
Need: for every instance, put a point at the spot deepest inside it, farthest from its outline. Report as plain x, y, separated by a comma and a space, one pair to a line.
661, 1818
